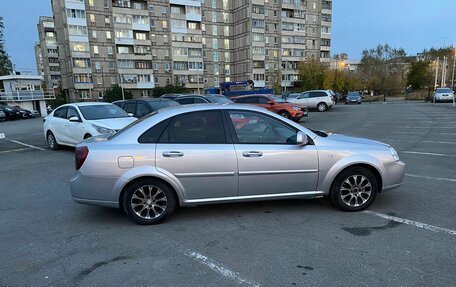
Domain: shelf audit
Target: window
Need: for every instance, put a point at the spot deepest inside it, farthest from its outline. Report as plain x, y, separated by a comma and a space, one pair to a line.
75, 13
196, 128
81, 62
96, 50
82, 78
130, 108
108, 35
142, 110
77, 30
110, 50
317, 94
72, 113
140, 36
61, 113
92, 18
247, 100
257, 23
255, 128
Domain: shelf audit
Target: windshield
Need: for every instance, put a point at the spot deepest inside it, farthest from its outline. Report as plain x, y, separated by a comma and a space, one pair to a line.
353, 94
219, 99
158, 105
444, 90
277, 99
98, 112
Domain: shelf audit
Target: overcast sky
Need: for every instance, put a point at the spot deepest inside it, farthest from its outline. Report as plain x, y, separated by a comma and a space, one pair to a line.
357, 25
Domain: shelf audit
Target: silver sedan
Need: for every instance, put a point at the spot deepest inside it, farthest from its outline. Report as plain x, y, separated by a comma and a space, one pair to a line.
204, 154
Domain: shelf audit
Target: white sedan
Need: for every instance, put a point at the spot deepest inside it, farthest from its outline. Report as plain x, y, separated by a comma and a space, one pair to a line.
72, 123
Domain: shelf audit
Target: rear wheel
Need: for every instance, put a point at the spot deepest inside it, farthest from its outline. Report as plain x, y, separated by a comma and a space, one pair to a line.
322, 107
52, 142
149, 201
354, 189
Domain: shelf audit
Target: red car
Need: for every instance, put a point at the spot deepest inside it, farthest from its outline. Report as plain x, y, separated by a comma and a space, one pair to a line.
274, 104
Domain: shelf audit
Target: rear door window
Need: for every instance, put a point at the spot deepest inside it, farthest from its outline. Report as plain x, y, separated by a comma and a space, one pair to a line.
142, 110
247, 100
196, 128
199, 101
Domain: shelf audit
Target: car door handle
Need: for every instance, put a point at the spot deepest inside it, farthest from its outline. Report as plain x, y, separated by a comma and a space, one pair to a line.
173, 154
252, 153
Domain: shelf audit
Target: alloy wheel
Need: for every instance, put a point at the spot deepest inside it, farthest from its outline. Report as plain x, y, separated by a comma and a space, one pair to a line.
355, 190
148, 202
51, 141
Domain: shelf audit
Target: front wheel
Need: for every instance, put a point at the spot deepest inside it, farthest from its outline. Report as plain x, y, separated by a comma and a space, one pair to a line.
285, 114
148, 202
322, 107
354, 189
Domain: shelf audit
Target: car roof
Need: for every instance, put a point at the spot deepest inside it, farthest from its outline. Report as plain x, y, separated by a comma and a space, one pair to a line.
170, 112
82, 104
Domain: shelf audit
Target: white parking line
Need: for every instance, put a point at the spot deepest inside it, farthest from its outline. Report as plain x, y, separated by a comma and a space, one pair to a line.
14, 150
412, 223
218, 267
430, 177
24, 144
428, 153
415, 127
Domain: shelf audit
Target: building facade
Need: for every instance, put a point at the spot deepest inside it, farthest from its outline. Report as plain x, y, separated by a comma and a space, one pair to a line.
46, 53
142, 44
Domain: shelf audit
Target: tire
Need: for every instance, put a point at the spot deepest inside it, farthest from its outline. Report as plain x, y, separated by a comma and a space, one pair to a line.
285, 114
52, 142
322, 107
146, 196
354, 189
86, 136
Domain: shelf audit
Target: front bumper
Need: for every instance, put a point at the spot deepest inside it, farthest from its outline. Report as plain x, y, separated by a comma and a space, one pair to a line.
395, 172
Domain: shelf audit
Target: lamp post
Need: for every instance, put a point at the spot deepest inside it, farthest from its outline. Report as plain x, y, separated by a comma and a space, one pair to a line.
452, 77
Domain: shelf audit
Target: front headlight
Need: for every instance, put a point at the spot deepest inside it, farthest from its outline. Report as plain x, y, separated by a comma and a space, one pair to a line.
394, 154
103, 130
296, 108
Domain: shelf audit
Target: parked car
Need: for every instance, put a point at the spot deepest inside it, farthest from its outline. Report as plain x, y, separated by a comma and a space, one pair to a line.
35, 113
192, 155
339, 97
353, 98
71, 123
144, 106
274, 104
2, 116
443, 95
11, 113
198, 99
320, 99
292, 96
25, 114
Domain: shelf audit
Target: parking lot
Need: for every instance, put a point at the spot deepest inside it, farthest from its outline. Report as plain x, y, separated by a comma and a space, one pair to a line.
406, 238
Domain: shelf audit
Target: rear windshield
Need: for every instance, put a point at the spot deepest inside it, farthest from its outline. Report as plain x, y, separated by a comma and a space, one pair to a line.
219, 99
444, 90
98, 112
158, 105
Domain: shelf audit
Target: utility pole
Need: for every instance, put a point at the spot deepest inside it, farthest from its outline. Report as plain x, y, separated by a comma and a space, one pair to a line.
436, 72
121, 86
452, 77
442, 82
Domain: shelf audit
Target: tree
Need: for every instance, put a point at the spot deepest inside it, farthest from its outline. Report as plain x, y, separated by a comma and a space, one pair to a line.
312, 75
382, 68
114, 93
419, 75
277, 85
179, 88
6, 67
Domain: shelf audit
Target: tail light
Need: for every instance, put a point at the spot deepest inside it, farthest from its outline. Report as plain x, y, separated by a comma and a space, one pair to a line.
80, 156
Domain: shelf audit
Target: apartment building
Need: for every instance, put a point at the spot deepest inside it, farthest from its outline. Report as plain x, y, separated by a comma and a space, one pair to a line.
46, 53
142, 44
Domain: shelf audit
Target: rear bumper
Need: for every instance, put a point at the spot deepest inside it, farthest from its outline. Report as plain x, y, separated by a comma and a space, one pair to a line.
94, 190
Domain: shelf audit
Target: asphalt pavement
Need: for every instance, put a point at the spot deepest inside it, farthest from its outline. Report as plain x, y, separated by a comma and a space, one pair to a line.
407, 238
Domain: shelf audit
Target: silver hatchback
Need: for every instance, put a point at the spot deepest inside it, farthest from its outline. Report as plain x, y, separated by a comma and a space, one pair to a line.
203, 154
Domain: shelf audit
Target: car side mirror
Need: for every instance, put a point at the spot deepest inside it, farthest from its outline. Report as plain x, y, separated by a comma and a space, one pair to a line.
74, 119
301, 138
271, 102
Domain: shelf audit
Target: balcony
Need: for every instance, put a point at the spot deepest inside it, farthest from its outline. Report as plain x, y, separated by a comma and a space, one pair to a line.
23, 96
